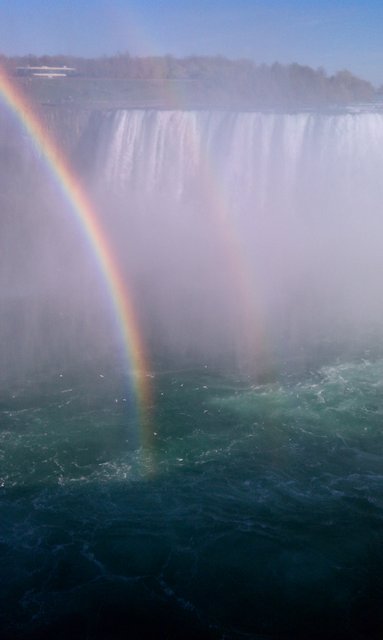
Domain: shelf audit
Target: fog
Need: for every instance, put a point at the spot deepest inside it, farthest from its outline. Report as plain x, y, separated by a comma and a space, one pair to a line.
248, 239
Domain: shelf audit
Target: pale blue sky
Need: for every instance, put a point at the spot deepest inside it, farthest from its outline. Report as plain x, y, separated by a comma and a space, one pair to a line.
334, 34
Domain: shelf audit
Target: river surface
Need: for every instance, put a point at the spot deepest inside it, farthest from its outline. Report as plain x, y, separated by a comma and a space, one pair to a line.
243, 511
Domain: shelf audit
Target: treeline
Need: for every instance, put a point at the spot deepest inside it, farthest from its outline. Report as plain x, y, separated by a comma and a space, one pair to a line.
220, 78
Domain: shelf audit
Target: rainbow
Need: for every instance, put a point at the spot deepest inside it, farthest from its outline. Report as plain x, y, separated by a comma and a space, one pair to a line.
85, 214
244, 279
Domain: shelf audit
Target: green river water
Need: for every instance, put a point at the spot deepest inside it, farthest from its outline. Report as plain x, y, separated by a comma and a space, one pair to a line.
252, 511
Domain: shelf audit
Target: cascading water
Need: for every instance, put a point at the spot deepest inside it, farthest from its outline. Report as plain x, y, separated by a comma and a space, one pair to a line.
269, 216
252, 242
247, 236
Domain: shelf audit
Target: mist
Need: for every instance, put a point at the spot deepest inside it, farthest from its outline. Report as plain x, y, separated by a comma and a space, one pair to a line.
245, 237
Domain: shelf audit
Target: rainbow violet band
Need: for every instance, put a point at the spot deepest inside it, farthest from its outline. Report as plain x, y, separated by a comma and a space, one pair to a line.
84, 212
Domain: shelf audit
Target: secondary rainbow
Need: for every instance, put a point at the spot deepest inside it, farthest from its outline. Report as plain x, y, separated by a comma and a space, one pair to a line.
94, 233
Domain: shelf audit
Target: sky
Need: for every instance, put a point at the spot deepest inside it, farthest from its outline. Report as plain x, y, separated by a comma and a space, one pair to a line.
334, 34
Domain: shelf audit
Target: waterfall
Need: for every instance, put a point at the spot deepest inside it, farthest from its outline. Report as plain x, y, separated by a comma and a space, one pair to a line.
246, 236
272, 217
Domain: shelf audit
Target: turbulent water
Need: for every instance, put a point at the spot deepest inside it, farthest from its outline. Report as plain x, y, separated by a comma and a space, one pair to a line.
256, 511
250, 505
